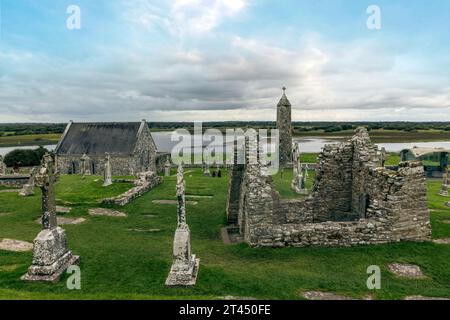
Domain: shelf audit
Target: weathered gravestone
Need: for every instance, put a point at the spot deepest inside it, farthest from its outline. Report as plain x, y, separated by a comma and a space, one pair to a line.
167, 167
28, 189
299, 173
85, 165
107, 176
185, 265
444, 187
51, 256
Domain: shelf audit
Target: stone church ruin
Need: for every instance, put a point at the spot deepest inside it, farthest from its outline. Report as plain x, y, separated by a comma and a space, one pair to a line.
83, 147
355, 200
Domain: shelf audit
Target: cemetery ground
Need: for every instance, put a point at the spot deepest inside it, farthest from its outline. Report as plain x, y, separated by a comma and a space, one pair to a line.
130, 257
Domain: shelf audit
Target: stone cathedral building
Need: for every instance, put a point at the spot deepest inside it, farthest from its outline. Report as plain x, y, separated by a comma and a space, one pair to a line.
284, 125
129, 144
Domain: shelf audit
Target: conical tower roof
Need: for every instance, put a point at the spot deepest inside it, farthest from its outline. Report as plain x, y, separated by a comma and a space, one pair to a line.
284, 101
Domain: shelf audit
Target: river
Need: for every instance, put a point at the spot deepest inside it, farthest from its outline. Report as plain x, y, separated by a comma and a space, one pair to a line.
309, 145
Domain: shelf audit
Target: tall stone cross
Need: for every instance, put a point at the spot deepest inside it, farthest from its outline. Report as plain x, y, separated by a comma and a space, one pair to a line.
107, 175
45, 179
181, 187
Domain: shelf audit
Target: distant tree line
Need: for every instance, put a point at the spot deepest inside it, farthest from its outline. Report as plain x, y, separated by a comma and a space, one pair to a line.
308, 126
18, 129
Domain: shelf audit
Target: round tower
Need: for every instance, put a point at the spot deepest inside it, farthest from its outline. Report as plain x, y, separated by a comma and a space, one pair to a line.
284, 125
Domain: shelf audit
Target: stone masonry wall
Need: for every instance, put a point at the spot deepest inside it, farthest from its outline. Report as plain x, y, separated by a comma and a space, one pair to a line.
121, 165
141, 160
354, 202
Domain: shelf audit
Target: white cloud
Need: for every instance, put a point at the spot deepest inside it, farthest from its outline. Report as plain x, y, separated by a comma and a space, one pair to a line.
183, 16
361, 80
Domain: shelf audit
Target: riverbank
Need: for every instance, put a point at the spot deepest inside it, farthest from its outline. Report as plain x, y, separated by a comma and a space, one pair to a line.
29, 140
382, 136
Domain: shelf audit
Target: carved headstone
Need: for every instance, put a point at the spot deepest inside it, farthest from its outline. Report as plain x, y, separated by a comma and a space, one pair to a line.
185, 265
28, 189
167, 167
444, 187
51, 256
107, 175
206, 171
85, 165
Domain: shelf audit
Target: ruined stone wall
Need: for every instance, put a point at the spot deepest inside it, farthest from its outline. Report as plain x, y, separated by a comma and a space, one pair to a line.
14, 181
121, 165
332, 189
397, 212
354, 202
142, 159
145, 152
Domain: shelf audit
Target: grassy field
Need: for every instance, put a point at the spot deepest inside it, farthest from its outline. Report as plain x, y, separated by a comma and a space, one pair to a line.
117, 263
29, 140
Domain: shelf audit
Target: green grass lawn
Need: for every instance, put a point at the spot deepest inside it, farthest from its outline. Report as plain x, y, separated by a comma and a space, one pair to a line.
283, 180
120, 264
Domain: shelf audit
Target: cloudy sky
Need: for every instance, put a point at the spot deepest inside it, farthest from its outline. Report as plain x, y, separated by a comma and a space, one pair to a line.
186, 60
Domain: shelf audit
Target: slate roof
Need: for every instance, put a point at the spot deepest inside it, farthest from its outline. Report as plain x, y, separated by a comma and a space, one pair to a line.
98, 138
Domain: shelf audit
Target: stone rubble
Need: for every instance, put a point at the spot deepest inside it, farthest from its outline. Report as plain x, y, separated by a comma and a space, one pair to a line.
406, 270
15, 245
106, 212
28, 189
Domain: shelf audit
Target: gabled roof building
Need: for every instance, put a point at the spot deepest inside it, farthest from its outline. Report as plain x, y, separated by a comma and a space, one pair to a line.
129, 144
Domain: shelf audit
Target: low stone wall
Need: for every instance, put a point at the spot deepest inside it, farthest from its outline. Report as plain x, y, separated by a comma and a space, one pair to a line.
14, 181
326, 234
146, 182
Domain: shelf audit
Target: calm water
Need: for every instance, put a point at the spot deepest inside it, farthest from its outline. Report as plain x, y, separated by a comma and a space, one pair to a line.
164, 144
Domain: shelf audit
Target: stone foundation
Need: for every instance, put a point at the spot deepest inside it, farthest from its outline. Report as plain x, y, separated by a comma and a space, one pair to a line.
51, 256
146, 182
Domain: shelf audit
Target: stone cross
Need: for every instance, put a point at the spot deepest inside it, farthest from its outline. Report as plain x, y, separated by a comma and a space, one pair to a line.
185, 265
107, 176
45, 179
2, 167
180, 188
